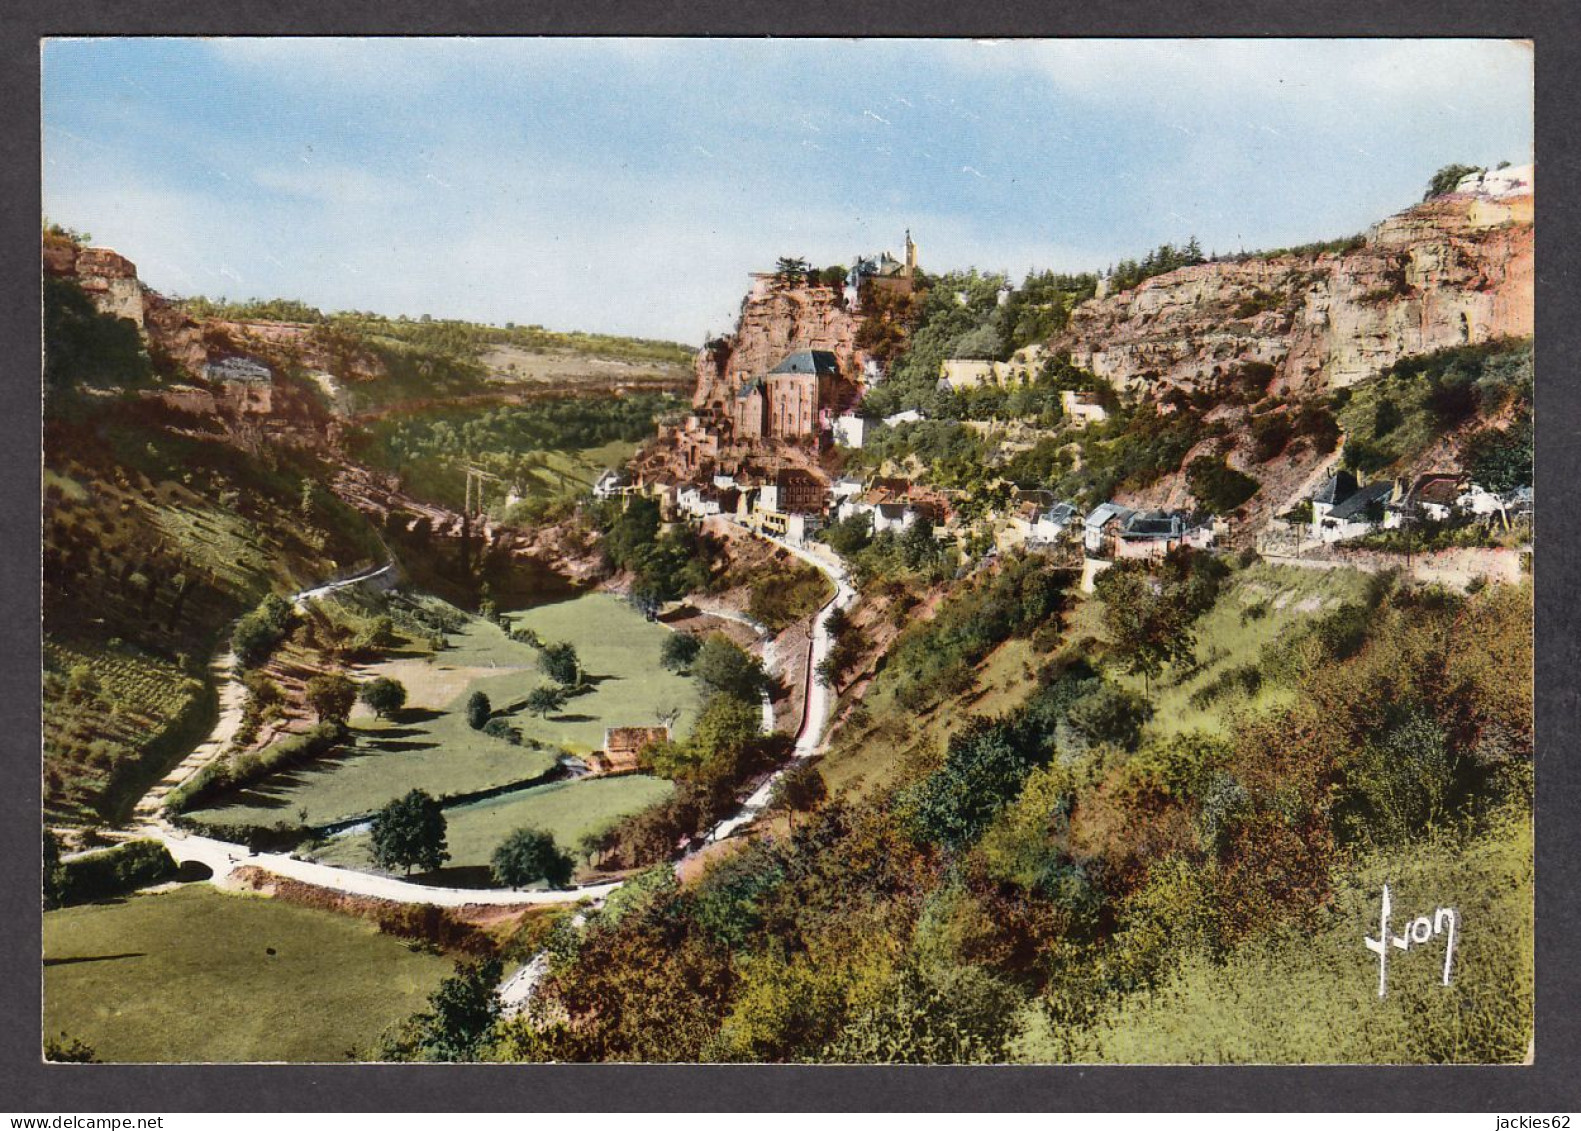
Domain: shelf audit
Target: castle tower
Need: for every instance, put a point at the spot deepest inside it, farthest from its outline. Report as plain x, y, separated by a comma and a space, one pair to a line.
911, 255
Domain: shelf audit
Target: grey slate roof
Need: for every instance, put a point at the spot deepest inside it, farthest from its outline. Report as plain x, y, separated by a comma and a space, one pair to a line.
1153, 524
809, 361
1104, 512
1355, 504
1336, 488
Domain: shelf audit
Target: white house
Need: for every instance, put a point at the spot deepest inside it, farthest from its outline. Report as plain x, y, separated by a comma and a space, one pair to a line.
1102, 524
1081, 408
608, 484
843, 488
910, 416
1341, 509
1053, 524
850, 430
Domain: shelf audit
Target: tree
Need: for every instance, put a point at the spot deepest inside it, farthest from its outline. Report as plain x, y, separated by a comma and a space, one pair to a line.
384, 696
790, 271
543, 700
1386, 417
800, 789
478, 710
559, 662
1218, 486
529, 855
461, 1013
679, 650
409, 833
1445, 180
725, 669
331, 696
1146, 623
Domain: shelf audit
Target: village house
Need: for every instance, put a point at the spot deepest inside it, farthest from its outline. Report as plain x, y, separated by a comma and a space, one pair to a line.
1152, 534
850, 430
608, 484
623, 748
843, 488
965, 373
1101, 527
1434, 496
893, 505
1342, 509
1051, 524
1082, 408
789, 506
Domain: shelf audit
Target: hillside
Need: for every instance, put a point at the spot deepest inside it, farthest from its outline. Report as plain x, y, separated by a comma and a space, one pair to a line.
1454, 270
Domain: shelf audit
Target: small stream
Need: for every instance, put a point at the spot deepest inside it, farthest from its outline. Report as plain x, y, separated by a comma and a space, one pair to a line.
560, 771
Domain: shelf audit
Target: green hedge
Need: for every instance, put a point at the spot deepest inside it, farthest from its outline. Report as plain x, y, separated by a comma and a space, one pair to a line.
228, 773
116, 871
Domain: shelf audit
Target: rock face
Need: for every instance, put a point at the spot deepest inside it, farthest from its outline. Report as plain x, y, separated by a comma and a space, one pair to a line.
1454, 270
775, 321
107, 277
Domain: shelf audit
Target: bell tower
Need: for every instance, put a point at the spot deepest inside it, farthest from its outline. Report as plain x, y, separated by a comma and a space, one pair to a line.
911, 255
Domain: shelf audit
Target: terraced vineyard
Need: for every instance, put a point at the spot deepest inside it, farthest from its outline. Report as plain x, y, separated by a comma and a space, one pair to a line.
109, 716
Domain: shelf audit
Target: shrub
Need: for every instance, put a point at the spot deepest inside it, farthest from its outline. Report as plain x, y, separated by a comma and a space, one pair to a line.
1111, 714
384, 696
116, 871
478, 710
1217, 486
331, 696
679, 650
529, 855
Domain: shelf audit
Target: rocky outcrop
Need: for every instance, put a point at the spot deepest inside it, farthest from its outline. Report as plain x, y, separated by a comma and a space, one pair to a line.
775, 321
1457, 269
107, 277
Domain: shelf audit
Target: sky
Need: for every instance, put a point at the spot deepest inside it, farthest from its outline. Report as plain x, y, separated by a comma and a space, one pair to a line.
629, 186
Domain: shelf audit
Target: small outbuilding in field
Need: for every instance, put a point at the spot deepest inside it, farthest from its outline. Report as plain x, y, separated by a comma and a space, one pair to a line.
622, 745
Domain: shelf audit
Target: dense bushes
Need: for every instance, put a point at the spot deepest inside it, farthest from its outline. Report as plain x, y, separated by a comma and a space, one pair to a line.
786, 594
257, 633
234, 772
666, 566
1218, 487
935, 659
115, 871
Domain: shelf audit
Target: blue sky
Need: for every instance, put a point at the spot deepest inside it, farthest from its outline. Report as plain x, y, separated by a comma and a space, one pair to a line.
628, 186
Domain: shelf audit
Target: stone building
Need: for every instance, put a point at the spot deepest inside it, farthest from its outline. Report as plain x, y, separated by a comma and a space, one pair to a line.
799, 391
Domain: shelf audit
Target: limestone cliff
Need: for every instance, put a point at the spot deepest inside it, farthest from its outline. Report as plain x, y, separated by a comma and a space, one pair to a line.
107, 277
775, 321
1453, 270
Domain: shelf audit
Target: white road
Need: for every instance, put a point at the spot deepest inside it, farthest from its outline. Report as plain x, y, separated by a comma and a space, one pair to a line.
818, 700
223, 858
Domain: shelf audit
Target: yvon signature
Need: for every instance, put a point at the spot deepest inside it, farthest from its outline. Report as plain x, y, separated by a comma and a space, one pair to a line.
1444, 921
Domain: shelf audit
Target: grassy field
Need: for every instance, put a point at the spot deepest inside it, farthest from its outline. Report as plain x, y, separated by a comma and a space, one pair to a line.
188, 975
1256, 607
430, 745
1313, 998
566, 810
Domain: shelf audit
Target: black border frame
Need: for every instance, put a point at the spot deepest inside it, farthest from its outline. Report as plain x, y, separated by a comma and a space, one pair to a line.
1552, 1083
